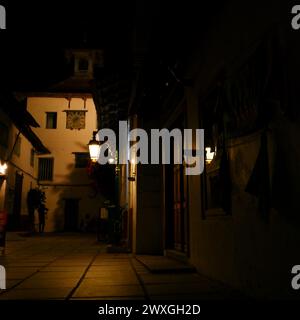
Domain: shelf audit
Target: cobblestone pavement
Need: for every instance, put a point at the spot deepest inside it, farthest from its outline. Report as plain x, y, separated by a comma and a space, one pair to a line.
76, 266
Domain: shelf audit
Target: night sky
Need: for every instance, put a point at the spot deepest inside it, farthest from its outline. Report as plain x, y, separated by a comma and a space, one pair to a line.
32, 47
37, 33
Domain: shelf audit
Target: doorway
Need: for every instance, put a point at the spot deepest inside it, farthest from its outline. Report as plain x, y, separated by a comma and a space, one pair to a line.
176, 203
17, 202
71, 215
180, 212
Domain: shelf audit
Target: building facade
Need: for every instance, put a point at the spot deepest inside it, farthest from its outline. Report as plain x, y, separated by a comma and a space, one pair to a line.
66, 127
236, 222
67, 118
19, 148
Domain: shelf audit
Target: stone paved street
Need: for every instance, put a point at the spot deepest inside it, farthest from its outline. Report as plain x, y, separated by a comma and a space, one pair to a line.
76, 266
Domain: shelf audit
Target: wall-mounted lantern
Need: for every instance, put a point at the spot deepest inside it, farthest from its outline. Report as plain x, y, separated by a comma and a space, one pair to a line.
94, 148
209, 155
3, 169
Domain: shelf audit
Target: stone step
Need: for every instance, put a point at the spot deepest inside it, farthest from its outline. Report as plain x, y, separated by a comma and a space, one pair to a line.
162, 264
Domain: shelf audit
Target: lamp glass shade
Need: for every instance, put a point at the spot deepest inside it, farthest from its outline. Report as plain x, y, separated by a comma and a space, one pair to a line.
3, 168
94, 149
209, 155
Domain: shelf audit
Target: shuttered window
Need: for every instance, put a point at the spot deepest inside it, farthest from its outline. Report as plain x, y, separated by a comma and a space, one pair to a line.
45, 169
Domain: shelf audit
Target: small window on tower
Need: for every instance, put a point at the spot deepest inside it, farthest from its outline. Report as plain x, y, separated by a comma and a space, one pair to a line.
83, 65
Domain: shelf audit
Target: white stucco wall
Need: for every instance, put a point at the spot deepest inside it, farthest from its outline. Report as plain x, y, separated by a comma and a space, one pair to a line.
68, 181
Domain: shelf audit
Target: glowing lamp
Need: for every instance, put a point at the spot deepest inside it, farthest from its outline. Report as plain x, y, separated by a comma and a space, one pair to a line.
3, 168
94, 148
209, 155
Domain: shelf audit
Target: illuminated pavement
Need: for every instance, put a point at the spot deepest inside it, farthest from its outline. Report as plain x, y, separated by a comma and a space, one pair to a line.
76, 266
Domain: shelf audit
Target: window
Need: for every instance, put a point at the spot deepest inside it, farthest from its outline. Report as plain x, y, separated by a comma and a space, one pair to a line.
83, 64
32, 157
3, 135
45, 172
17, 146
81, 159
51, 120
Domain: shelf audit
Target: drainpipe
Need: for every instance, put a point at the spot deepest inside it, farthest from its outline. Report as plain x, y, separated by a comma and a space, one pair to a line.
13, 148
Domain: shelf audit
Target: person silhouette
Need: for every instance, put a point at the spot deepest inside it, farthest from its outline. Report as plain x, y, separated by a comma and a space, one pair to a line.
42, 210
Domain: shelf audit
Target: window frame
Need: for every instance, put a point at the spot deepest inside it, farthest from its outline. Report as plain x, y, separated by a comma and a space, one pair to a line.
77, 160
39, 168
83, 62
55, 122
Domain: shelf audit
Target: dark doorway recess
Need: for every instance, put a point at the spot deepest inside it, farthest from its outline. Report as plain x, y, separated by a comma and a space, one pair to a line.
176, 200
16, 214
71, 215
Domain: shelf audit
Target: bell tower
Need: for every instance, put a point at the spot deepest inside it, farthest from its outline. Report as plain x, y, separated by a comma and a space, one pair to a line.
84, 61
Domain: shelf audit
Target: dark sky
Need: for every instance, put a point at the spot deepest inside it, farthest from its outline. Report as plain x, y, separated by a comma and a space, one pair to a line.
31, 49
38, 31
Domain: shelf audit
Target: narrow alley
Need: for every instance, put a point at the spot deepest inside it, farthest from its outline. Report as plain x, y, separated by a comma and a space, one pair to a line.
149, 150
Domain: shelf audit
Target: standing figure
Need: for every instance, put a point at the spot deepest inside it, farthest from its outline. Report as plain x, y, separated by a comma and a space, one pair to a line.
42, 210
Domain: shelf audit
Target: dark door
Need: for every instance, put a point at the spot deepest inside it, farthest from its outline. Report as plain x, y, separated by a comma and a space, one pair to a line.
180, 212
176, 202
16, 214
71, 214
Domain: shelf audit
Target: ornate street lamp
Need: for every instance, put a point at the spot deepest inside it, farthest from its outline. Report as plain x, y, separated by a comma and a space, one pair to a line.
94, 148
